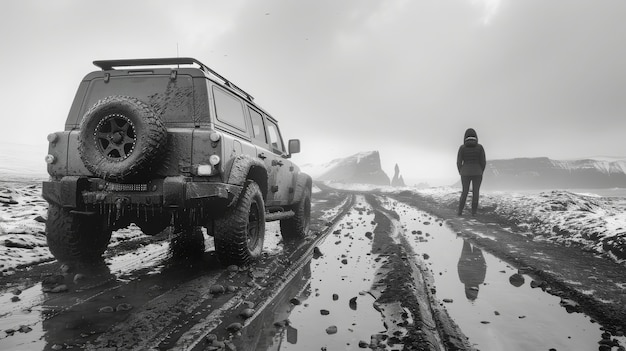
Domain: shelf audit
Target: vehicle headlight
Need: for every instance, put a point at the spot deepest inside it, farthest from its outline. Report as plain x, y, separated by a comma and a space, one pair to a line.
214, 160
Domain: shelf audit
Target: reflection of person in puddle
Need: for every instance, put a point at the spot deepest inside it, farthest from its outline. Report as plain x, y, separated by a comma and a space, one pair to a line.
472, 269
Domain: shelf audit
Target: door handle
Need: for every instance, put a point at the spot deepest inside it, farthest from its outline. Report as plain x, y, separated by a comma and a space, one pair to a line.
262, 156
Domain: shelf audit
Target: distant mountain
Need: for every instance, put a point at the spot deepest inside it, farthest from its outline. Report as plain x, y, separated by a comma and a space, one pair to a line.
545, 173
361, 168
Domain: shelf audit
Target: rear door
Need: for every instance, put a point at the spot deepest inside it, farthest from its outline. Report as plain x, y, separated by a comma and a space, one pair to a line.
260, 138
282, 187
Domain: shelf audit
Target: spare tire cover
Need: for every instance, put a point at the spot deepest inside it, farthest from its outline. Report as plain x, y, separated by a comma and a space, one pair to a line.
120, 136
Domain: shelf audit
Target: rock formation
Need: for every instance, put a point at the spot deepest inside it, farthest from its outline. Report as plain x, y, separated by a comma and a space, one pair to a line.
397, 178
361, 168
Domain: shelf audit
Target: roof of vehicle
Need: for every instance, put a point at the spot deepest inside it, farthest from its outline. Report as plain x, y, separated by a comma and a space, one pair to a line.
142, 63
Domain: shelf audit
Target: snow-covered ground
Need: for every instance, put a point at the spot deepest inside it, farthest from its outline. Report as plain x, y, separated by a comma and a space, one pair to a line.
22, 218
22, 226
594, 222
597, 223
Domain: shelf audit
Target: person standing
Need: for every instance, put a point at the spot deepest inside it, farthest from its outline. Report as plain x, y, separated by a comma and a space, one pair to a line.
471, 163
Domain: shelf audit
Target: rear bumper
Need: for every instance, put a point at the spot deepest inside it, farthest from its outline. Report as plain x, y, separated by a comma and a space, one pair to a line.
170, 192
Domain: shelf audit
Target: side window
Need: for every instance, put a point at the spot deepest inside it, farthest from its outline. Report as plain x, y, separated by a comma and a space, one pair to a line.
258, 130
276, 142
229, 109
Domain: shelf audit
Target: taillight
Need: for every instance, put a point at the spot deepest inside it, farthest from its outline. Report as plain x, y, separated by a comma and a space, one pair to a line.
204, 170
215, 137
50, 159
52, 138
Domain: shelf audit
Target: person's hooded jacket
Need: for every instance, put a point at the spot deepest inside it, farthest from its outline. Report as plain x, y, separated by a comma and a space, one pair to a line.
471, 160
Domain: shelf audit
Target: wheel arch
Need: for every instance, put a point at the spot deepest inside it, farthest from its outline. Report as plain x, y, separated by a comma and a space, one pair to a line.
245, 168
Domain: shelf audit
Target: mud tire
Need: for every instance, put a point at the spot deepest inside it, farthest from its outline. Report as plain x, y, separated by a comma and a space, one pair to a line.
187, 244
297, 227
76, 238
240, 234
120, 136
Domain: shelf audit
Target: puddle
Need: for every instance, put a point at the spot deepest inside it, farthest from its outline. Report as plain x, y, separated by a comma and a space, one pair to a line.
494, 306
338, 312
333, 308
23, 317
483, 235
269, 330
138, 276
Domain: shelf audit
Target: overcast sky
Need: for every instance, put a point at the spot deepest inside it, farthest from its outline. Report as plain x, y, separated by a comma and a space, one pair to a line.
404, 77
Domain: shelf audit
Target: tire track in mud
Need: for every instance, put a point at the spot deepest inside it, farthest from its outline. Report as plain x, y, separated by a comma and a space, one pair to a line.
401, 291
264, 292
184, 315
30, 314
181, 305
146, 300
568, 272
408, 281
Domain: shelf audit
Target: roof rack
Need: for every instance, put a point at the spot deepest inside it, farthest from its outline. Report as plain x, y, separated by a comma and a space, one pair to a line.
106, 65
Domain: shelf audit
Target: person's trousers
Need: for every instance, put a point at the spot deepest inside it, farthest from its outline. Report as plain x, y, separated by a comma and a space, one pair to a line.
465, 182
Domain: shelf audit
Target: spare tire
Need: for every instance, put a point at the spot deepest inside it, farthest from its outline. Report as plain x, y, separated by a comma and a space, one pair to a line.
120, 136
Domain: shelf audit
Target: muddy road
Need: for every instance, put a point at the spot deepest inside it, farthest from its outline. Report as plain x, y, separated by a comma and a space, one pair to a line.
380, 272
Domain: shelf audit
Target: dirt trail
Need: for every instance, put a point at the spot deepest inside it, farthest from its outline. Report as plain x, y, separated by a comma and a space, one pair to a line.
596, 284
355, 282
144, 298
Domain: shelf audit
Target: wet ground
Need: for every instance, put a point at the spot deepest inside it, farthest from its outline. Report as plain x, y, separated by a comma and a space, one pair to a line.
589, 287
496, 305
144, 298
376, 273
334, 307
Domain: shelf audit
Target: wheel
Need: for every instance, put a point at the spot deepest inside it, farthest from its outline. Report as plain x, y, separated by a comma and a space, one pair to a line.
76, 238
187, 243
239, 235
297, 227
119, 137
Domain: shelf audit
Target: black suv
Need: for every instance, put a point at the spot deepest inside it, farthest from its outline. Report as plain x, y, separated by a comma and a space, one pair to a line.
168, 142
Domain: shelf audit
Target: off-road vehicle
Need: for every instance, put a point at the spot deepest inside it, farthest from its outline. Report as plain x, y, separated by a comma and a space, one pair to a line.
170, 143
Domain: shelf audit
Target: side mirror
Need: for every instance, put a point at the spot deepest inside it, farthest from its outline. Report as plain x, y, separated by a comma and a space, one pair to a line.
294, 146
